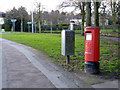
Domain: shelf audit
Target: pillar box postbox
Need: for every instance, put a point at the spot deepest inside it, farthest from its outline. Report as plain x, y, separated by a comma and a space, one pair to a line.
92, 44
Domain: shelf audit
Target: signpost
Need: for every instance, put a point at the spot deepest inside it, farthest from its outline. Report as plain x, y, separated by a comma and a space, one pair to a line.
29, 26
30, 22
13, 21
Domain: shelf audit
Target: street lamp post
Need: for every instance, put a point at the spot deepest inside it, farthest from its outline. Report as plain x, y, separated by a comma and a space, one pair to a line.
32, 21
35, 28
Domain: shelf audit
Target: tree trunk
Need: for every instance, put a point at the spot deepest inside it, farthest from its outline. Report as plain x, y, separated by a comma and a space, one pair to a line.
83, 17
39, 27
103, 21
0, 27
114, 18
39, 16
96, 14
118, 18
21, 24
113, 15
88, 14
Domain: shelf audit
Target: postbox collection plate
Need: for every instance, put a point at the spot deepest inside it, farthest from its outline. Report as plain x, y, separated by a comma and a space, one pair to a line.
88, 36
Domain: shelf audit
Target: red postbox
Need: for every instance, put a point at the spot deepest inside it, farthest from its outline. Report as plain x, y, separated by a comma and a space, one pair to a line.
92, 44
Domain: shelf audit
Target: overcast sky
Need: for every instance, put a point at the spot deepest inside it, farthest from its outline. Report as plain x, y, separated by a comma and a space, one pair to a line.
49, 5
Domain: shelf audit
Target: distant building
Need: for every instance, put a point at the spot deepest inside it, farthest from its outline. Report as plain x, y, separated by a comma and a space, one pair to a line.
2, 15
77, 21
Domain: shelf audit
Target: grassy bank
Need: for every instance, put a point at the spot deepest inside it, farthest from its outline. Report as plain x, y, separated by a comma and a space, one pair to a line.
50, 44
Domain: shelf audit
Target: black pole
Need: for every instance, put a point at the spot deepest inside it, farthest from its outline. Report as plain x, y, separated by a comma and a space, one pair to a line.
68, 59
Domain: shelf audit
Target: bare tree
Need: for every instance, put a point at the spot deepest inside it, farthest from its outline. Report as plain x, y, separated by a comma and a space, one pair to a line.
118, 15
55, 16
114, 12
96, 12
39, 15
83, 17
23, 15
103, 13
79, 5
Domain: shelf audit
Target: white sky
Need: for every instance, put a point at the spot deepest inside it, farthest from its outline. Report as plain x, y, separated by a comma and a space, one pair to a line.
49, 5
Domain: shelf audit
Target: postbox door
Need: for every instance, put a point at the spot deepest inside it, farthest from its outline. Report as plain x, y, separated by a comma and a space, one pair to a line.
96, 45
89, 47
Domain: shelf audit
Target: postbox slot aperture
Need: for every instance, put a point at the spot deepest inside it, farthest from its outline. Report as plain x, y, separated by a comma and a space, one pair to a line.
88, 32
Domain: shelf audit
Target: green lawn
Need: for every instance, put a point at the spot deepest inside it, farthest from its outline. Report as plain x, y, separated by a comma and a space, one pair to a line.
50, 44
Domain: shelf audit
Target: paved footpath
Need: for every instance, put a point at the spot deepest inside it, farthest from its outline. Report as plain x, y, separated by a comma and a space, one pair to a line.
111, 38
19, 72
24, 67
